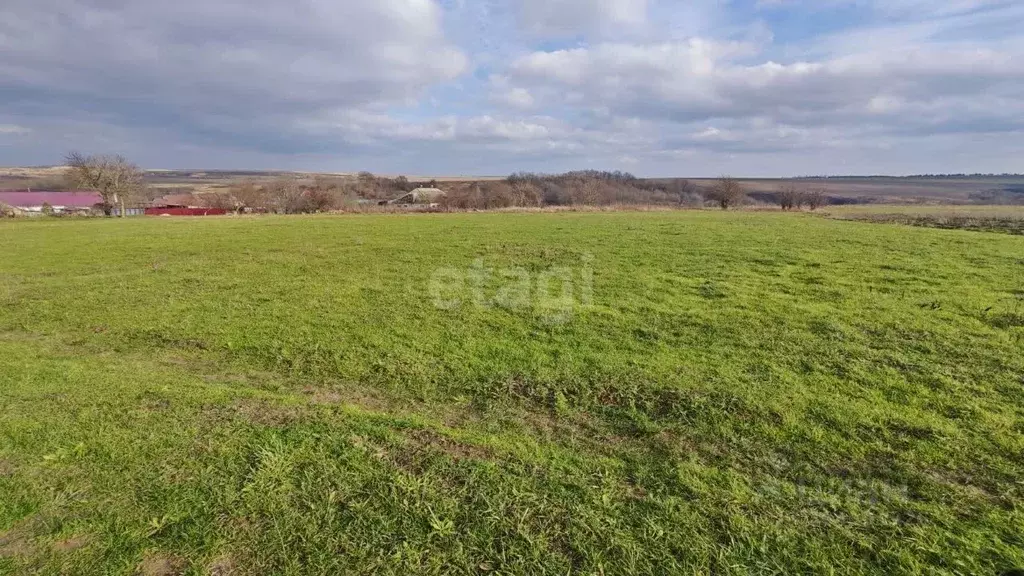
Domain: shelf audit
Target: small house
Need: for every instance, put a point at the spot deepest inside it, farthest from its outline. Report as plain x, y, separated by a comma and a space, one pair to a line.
181, 205
36, 203
420, 196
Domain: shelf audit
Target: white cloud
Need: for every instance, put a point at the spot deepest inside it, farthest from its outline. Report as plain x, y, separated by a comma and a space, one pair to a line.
697, 80
14, 129
499, 85
518, 98
572, 17
228, 67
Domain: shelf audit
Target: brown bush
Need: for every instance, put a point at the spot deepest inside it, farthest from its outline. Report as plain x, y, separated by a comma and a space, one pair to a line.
249, 197
219, 200
727, 192
790, 197
682, 191
526, 194
596, 188
290, 196
814, 199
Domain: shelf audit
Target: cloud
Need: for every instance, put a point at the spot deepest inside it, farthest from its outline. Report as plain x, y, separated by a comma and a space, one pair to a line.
573, 17
761, 106
14, 129
229, 68
492, 86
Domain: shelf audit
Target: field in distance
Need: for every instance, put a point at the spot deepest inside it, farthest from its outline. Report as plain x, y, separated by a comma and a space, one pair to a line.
856, 190
599, 393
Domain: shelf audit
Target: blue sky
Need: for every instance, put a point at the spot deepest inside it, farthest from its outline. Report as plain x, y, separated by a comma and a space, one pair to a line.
444, 87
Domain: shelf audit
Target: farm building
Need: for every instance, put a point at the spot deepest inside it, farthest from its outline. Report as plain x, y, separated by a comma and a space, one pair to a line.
181, 205
35, 203
420, 196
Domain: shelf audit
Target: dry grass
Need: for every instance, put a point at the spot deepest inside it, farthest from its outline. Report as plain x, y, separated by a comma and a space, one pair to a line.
1006, 219
32, 172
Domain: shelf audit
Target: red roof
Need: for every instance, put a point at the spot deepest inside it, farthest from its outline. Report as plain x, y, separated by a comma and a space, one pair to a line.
76, 199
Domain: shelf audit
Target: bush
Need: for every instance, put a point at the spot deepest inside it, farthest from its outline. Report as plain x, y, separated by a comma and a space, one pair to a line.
790, 197
727, 192
287, 196
592, 187
814, 199
219, 200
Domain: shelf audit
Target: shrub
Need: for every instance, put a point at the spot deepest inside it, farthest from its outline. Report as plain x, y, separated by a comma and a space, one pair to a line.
220, 200
790, 197
814, 199
249, 197
727, 192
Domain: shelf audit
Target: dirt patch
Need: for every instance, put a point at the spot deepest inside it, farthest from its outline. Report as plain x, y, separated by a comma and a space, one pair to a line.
634, 491
424, 439
224, 566
177, 361
16, 542
323, 396
160, 565
225, 379
355, 397
71, 544
6, 468
964, 486
258, 411
421, 447
153, 402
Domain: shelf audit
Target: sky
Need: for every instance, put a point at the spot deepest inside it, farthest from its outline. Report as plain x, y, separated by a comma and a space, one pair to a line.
488, 87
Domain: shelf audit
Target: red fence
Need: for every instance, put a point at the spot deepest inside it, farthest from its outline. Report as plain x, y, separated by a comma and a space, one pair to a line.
185, 211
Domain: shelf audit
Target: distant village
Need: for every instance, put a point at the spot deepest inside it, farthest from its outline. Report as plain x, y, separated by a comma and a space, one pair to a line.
88, 203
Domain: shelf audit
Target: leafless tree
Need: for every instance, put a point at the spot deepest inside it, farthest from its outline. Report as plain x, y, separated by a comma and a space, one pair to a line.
115, 178
249, 196
815, 198
684, 190
402, 184
526, 194
790, 197
727, 192
219, 200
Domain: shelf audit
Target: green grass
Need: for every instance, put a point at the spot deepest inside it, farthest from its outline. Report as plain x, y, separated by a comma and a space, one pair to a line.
1005, 219
747, 393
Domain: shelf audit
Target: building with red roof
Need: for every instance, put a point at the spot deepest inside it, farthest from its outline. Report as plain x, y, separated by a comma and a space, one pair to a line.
60, 202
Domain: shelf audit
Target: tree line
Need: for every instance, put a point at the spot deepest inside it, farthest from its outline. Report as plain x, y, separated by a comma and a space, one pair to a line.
121, 183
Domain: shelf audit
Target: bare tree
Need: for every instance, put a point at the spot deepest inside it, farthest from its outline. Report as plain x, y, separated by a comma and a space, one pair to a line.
815, 198
248, 196
402, 184
790, 197
219, 200
684, 190
115, 178
727, 192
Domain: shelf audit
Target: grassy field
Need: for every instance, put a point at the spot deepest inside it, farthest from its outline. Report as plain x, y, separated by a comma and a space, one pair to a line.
1005, 219
719, 393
